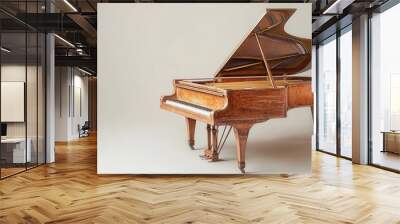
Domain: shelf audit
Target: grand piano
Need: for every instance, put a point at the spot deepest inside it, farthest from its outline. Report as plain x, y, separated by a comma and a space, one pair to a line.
258, 82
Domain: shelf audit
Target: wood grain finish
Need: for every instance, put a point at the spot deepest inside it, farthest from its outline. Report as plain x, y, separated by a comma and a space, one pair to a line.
190, 127
70, 191
211, 152
253, 106
199, 98
269, 51
241, 131
251, 84
299, 95
266, 64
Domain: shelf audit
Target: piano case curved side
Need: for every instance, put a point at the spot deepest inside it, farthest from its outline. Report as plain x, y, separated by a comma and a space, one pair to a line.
253, 106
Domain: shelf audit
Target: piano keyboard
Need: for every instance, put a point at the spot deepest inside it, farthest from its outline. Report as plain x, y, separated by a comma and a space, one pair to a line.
189, 107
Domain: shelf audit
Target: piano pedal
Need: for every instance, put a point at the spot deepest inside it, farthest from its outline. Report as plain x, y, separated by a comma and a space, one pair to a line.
241, 167
215, 160
203, 157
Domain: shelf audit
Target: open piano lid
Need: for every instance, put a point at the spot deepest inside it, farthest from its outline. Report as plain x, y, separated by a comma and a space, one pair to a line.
284, 54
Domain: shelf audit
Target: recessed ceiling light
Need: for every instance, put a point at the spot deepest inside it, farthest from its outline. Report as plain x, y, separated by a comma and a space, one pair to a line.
84, 71
64, 40
338, 6
5, 50
70, 5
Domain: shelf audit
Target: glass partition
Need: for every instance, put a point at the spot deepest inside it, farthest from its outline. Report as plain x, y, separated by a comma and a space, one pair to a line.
385, 89
41, 97
14, 153
327, 95
346, 92
32, 95
22, 77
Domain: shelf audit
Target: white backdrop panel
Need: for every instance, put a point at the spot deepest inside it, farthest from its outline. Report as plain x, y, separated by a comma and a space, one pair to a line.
142, 48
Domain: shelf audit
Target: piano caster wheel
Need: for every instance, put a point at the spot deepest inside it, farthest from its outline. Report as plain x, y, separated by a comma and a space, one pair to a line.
210, 156
191, 144
209, 159
203, 157
213, 160
241, 167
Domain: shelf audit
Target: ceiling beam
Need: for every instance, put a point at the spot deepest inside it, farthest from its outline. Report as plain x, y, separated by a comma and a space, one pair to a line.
83, 61
84, 24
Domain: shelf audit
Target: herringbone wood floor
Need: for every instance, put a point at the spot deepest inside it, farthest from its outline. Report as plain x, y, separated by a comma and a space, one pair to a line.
69, 191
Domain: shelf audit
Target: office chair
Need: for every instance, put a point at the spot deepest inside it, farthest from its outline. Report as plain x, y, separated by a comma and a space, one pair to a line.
84, 130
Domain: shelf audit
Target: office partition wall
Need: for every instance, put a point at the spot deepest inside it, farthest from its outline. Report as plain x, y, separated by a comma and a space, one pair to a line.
13, 145
22, 77
385, 89
327, 95
345, 63
334, 94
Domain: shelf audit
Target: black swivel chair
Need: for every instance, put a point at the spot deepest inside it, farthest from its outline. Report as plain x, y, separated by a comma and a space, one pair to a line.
84, 130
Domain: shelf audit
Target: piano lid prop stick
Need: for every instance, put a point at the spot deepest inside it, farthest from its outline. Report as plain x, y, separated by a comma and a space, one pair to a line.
269, 73
242, 66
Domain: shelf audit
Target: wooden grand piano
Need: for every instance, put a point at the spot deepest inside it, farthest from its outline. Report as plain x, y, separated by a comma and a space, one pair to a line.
257, 83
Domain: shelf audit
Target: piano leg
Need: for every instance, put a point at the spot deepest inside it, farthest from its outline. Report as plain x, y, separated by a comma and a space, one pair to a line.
191, 127
211, 152
209, 136
312, 111
241, 133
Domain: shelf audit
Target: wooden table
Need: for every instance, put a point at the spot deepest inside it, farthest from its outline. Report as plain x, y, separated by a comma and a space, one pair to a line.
13, 150
391, 141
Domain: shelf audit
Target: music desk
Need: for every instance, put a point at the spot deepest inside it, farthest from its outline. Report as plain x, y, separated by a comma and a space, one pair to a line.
13, 150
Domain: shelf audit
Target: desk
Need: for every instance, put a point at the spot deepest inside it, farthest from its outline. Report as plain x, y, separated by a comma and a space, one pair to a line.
391, 141
13, 150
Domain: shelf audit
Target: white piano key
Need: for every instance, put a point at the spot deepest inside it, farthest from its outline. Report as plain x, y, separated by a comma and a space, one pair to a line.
188, 107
